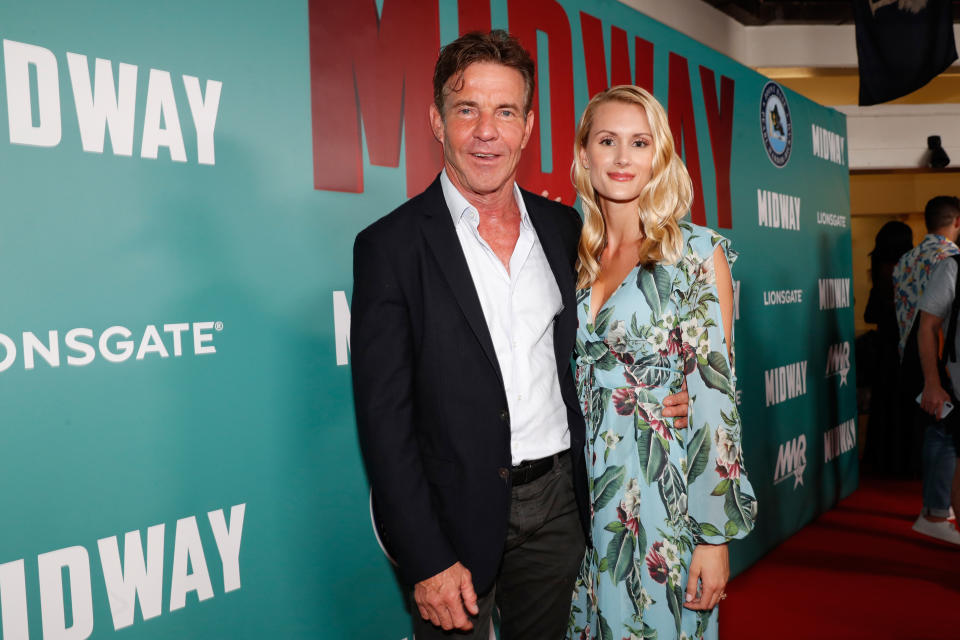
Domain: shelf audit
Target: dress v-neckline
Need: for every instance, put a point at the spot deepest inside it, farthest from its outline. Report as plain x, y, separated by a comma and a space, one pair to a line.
613, 293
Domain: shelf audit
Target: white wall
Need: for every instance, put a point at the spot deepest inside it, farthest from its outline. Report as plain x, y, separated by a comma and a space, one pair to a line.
882, 136
699, 21
770, 46
895, 136
804, 45
801, 46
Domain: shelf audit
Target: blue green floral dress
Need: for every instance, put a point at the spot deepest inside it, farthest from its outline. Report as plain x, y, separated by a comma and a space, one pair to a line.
656, 491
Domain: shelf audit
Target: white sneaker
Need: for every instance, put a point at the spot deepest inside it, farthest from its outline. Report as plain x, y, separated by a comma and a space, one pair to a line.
952, 515
942, 530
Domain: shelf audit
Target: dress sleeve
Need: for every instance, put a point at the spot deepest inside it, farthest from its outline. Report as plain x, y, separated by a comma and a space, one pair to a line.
720, 500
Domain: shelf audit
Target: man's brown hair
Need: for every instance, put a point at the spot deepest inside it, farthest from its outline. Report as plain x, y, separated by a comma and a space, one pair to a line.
497, 46
941, 211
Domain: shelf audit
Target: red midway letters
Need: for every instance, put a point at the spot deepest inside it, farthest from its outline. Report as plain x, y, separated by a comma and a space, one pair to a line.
378, 71
526, 18
720, 123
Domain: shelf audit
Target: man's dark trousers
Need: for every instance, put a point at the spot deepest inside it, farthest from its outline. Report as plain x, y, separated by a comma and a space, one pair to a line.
541, 560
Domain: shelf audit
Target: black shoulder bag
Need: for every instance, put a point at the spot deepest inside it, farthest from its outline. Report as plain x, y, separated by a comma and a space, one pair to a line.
952, 421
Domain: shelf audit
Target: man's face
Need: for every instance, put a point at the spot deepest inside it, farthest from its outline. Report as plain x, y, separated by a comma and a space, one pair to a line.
483, 128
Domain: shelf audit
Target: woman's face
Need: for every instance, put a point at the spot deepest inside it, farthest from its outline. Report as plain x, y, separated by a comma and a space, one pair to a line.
619, 152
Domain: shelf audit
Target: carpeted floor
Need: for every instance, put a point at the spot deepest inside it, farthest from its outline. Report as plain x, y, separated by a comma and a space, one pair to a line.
858, 571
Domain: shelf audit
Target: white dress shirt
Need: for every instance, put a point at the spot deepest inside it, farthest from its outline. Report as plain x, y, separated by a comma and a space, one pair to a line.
519, 307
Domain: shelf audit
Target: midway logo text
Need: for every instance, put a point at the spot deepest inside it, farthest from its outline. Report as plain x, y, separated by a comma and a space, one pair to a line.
827, 145
136, 575
839, 440
834, 293
778, 210
107, 103
786, 382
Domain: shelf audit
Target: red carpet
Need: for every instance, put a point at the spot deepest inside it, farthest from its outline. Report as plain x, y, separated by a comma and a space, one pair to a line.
858, 571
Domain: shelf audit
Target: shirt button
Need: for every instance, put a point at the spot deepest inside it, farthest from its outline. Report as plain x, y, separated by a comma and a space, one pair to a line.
503, 472
505, 415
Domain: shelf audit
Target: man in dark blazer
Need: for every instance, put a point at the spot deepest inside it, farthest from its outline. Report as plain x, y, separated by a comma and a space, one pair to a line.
463, 325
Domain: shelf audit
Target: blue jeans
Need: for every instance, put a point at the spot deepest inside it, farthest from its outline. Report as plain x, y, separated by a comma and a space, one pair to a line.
939, 462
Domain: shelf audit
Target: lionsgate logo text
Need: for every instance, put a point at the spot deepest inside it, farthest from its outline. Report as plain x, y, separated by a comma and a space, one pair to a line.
782, 296
114, 344
831, 219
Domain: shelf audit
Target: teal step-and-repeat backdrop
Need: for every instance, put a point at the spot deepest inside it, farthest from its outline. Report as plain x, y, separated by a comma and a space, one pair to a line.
181, 184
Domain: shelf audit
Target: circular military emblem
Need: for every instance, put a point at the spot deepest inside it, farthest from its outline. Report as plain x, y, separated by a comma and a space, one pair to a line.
775, 124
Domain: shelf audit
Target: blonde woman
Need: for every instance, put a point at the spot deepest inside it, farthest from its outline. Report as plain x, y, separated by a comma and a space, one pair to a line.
655, 305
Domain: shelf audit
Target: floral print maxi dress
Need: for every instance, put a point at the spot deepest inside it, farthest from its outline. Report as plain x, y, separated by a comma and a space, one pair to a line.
656, 491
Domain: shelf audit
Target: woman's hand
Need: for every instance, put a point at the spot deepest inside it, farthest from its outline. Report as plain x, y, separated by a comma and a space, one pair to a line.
711, 567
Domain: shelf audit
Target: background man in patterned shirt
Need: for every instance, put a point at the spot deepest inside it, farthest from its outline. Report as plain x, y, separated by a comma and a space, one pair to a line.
912, 276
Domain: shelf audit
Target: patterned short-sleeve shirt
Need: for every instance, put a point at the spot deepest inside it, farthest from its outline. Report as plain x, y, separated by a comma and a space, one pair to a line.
910, 277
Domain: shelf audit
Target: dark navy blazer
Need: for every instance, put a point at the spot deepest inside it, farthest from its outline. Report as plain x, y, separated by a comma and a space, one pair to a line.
431, 408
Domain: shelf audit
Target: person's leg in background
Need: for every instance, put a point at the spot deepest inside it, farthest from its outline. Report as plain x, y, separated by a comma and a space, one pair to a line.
939, 467
955, 488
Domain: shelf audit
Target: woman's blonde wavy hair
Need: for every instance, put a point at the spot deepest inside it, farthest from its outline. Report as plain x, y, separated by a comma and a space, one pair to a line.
664, 200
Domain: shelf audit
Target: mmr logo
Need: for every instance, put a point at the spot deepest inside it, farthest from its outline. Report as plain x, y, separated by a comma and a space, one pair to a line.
838, 361
791, 461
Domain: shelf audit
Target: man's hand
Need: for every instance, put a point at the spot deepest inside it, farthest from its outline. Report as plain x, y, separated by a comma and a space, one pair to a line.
710, 565
441, 598
933, 398
928, 343
677, 406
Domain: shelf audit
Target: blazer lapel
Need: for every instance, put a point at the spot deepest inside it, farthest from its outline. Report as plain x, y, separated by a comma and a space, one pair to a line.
562, 269
442, 239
